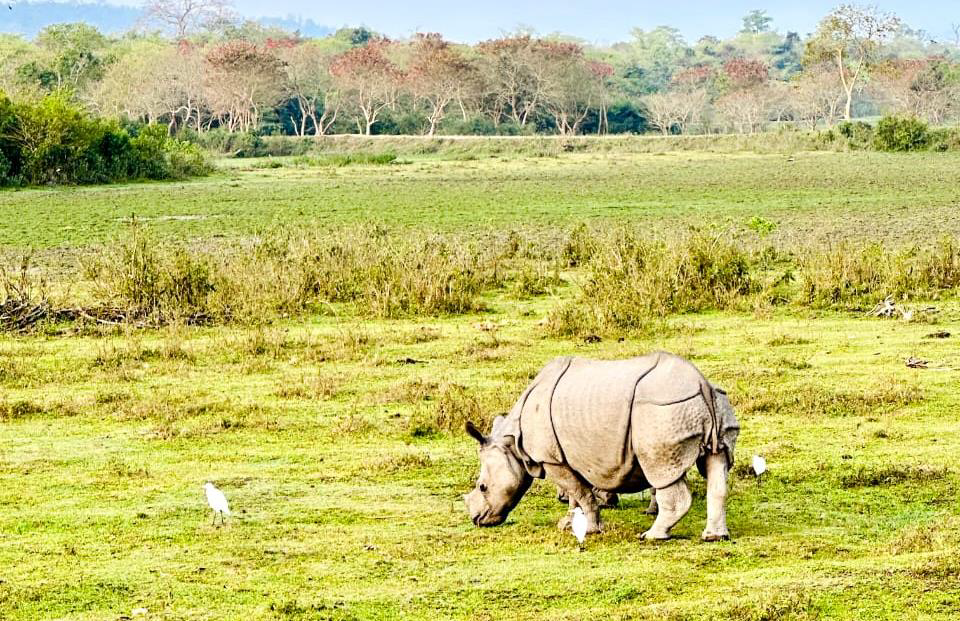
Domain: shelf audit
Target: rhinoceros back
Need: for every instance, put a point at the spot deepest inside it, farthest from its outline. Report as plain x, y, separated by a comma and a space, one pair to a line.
606, 418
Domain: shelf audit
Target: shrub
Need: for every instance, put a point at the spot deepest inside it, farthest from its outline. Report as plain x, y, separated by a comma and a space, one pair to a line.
854, 276
945, 139
901, 134
286, 274
634, 282
858, 134
237, 144
54, 141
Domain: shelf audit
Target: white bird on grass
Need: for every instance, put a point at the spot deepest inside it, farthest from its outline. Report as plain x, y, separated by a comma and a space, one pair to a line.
217, 502
579, 525
759, 467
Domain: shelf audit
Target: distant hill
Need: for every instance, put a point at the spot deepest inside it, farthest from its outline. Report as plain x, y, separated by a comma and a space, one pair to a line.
29, 18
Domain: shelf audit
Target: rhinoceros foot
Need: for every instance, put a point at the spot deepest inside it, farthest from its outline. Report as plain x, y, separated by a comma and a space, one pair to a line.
566, 522
652, 535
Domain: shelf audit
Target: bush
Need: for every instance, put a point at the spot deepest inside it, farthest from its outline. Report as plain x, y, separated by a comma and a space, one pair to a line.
237, 144
901, 134
634, 282
855, 277
284, 274
858, 134
54, 141
945, 139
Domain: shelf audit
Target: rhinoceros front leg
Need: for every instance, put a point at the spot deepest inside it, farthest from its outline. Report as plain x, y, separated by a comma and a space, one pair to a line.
578, 493
673, 503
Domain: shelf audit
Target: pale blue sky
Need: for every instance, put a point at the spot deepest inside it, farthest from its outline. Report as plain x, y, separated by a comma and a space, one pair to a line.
596, 21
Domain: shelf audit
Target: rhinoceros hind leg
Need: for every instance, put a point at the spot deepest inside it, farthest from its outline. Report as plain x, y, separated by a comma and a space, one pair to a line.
716, 529
652, 507
673, 501
579, 494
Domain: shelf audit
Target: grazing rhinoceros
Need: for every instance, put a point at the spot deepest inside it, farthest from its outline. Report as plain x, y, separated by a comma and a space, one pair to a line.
617, 426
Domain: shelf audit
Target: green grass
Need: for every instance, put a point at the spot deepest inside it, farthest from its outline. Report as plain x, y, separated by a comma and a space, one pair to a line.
827, 195
321, 430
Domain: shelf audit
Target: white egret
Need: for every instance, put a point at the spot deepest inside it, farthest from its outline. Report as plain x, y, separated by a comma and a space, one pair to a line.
759, 467
217, 502
579, 525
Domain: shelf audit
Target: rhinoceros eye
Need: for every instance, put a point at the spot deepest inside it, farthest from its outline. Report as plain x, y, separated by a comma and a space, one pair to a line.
483, 488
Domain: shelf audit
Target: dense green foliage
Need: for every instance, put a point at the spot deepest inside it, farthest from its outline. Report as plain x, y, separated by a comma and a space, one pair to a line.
54, 141
901, 134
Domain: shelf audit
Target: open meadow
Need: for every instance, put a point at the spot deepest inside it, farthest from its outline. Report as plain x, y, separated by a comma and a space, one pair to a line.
317, 332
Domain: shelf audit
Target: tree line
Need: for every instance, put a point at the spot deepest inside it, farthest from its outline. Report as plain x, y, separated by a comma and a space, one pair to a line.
195, 67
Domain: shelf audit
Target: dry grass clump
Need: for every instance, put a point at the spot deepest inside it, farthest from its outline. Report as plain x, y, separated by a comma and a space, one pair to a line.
634, 281
814, 400
286, 274
629, 281
448, 407
940, 533
890, 474
317, 385
858, 276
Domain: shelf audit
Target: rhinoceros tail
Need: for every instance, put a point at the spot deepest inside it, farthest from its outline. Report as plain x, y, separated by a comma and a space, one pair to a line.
710, 398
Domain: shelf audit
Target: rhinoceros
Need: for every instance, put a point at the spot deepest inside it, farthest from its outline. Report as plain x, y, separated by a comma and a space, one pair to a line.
618, 426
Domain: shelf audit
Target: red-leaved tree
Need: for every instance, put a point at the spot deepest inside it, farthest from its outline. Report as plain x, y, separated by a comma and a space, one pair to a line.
367, 80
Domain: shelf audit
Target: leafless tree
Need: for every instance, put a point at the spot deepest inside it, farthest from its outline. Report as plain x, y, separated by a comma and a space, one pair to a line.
816, 96
368, 80
915, 88
515, 72
675, 109
242, 80
747, 111
574, 86
436, 76
308, 81
185, 16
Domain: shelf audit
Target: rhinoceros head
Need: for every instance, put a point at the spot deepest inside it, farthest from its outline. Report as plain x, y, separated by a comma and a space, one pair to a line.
502, 482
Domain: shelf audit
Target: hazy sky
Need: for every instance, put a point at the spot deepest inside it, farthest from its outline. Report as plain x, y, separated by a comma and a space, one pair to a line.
596, 20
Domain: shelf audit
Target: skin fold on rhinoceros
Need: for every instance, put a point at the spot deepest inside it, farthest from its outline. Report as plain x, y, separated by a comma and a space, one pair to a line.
601, 427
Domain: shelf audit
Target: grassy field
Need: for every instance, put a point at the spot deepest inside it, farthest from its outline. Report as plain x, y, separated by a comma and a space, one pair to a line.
327, 431
828, 195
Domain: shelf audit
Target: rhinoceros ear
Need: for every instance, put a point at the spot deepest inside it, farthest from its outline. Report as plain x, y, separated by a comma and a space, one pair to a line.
533, 468
475, 433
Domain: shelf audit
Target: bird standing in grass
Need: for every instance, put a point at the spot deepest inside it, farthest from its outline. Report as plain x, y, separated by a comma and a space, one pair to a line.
579, 525
759, 467
217, 502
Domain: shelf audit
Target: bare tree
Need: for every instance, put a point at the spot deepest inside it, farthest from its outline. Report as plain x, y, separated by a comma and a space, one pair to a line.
436, 75
185, 16
243, 80
368, 80
747, 111
817, 96
308, 81
850, 36
915, 88
514, 70
573, 85
675, 109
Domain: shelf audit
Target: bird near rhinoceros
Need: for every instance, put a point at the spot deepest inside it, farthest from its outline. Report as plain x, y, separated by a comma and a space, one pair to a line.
616, 426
